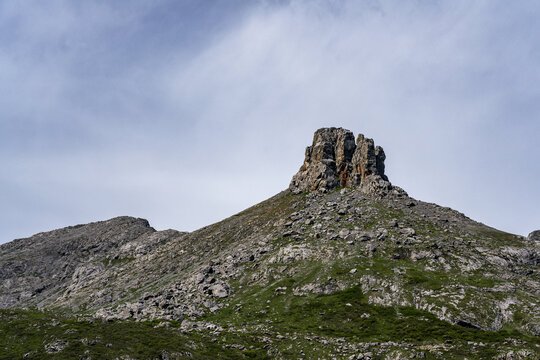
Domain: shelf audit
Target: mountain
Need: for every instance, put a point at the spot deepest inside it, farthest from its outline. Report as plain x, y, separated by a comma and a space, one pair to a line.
342, 264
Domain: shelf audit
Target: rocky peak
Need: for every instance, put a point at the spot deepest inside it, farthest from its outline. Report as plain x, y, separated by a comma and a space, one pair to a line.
336, 160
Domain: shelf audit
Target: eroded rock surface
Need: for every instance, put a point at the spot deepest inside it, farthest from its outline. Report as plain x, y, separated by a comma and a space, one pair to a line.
534, 236
336, 160
34, 271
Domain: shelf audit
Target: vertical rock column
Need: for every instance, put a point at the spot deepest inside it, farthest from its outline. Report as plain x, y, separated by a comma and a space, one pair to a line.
344, 151
367, 160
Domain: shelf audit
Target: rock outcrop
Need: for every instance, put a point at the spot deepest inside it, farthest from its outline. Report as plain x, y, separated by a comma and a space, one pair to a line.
35, 270
534, 236
335, 160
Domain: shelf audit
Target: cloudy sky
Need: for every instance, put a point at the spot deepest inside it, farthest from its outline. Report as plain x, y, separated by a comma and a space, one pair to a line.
186, 112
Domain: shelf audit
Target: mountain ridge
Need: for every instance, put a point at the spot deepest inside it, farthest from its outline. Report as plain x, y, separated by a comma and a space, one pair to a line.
368, 242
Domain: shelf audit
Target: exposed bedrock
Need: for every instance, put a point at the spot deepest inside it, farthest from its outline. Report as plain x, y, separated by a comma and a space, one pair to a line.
336, 160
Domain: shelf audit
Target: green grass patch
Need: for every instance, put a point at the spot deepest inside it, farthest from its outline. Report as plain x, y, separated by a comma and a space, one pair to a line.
28, 332
426, 279
497, 237
348, 314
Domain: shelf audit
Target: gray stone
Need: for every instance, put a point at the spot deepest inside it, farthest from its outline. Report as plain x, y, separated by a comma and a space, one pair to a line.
55, 346
219, 291
343, 233
364, 236
534, 236
408, 232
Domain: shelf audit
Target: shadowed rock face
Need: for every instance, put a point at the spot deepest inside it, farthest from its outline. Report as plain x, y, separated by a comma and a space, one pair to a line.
336, 160
328, 162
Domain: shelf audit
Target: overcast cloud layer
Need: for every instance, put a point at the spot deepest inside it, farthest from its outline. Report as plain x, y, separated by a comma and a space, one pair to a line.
186, 112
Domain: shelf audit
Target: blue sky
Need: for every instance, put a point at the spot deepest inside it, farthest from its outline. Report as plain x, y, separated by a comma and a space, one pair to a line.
186, 112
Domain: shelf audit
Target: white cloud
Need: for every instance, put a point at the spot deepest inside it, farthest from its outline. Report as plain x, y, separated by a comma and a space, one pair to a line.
187, 136
428, 83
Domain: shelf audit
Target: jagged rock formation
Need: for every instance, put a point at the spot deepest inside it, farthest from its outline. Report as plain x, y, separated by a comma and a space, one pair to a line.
335, 160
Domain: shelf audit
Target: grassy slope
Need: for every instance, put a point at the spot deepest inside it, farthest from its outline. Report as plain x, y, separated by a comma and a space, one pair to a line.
307, 326
28, 332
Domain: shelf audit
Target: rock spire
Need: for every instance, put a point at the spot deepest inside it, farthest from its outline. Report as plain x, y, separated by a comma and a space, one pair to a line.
336, 160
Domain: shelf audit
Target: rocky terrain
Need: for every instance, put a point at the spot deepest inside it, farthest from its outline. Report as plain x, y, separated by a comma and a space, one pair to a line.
343, 264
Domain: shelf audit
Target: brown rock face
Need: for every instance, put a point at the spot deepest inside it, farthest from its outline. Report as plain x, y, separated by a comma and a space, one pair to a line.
336, 160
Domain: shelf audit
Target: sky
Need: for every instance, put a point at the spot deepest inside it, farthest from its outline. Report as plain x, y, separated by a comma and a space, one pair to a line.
185, 112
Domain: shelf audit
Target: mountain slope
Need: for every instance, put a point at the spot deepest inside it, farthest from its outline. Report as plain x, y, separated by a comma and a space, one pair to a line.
351, 266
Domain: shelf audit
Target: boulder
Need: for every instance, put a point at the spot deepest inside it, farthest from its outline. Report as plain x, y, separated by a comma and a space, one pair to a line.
219, 291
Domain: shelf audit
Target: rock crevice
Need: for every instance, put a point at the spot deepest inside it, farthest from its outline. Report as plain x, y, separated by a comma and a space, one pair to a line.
336, 160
